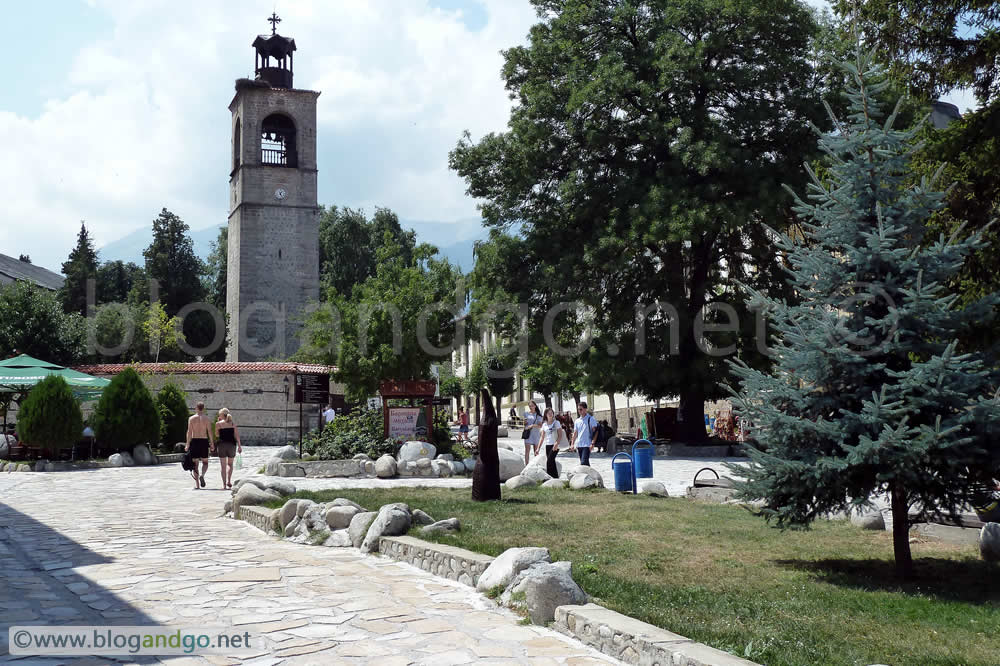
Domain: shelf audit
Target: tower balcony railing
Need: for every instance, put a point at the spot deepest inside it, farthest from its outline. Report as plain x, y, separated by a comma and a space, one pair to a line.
274, 156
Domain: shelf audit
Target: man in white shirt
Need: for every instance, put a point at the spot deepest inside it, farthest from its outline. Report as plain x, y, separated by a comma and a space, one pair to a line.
329, 415
583, 433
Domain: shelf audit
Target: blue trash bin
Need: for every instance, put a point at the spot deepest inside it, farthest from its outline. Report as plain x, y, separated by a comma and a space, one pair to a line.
623, 472
643, 459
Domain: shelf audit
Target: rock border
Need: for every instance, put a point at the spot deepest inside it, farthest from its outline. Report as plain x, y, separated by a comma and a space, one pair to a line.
258, 516
439, 559
635, 642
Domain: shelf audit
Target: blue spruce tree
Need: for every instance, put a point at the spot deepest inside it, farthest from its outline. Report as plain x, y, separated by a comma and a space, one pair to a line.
869, 395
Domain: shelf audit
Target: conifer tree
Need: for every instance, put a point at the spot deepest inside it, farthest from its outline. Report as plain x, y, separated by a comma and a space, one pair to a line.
78, 268
868, 397
126, 414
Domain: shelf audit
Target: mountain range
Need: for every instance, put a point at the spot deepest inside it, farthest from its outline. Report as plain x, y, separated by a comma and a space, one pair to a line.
455, 240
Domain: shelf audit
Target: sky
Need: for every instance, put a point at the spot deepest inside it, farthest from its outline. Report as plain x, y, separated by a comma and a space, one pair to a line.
114, 109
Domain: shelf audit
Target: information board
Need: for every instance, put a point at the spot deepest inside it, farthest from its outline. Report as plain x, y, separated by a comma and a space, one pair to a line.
403, 422
312, 389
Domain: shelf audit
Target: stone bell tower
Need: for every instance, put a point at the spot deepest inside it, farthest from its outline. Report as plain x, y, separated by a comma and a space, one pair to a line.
273, 210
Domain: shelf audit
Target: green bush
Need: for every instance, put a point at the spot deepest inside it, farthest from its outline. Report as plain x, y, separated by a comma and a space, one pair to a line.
126, 414
171, 402
349, 434
50, 416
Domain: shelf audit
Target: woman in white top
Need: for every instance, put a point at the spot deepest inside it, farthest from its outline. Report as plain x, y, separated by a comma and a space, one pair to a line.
552, 434
533, 424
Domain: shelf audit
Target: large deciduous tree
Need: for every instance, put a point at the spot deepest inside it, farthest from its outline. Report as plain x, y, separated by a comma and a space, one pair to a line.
32, 322
868, 395
349, 243
648, 145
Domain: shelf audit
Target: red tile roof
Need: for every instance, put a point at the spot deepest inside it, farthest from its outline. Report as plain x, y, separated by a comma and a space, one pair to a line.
205, 368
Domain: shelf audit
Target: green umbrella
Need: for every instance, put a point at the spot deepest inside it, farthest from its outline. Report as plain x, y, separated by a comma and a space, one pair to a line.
19, 374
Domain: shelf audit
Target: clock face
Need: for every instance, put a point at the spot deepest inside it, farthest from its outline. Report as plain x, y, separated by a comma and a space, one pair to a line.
280, 193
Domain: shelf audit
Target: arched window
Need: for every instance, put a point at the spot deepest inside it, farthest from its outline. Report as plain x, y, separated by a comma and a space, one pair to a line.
277, 141
237, 157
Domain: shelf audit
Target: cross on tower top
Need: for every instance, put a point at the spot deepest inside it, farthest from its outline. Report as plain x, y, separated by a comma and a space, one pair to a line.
274, 19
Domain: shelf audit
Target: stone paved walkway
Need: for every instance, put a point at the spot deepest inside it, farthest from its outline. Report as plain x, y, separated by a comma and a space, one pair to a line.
138, 546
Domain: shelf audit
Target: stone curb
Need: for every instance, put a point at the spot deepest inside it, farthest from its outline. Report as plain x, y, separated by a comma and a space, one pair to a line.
258, 516
442, 560
635, 642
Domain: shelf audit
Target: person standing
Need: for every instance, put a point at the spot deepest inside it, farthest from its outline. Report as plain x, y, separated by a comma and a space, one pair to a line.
533, 428
463, 424
229, 445
329, 415
551, 434
583, 433
200, 442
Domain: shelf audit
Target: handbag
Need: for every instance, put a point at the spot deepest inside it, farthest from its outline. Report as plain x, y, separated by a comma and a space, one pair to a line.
187, 462
526, 433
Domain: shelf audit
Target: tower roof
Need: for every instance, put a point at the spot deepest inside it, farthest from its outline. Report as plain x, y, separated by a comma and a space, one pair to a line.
274, 45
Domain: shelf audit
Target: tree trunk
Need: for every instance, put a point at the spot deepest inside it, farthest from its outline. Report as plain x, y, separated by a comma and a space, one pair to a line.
477, 410
548, 400
498, 407
576, 397
691, 416
901, 531
614, 411
486, 475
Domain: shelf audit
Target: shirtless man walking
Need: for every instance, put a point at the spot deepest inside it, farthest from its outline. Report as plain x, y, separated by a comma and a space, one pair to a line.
200, 441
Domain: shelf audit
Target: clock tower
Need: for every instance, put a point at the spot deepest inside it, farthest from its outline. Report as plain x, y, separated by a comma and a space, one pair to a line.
273, 271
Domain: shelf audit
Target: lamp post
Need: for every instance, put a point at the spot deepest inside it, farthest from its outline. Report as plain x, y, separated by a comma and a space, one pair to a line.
284, 381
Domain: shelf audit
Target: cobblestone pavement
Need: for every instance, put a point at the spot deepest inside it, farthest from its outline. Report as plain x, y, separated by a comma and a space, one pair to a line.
134, 546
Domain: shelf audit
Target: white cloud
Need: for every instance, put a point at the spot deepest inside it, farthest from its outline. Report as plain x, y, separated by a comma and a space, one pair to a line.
146, 124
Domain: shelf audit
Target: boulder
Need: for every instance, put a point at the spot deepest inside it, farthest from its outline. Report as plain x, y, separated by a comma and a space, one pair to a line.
273, 466
470, 464
447, 526
24, 467
546, 587
340, 501
288, 512
251, 495
227, 507
441, 467
520, 481
869, 521
652, 487
6, 441
415, 450
423, 463
385, 467
288, 452
369, 468
536, 474
390, 521
116, 460
338, 539
142, 455
279, 486
445, 456
555, 483
457, 467
127, 459
511, 463
420, 518
303, 506
288, 530
339, 517
508, 565
314, 518
179, 447
402, 506
989, 542
540, 461
361, 456
581, 481
589, 471
41, 465
359, 526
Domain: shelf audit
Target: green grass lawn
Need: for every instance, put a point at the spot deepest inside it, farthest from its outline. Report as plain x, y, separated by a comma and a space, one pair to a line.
719, 575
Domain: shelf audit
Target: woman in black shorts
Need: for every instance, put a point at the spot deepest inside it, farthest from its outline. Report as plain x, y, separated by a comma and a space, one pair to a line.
228, 445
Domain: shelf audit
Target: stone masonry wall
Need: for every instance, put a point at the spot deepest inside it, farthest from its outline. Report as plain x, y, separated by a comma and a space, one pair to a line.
258, 516
442, 560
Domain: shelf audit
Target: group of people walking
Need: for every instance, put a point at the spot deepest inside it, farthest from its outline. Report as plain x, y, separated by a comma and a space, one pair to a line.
202, 443
544, 429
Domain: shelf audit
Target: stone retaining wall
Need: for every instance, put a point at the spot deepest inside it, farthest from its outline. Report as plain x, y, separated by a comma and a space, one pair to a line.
322, 469
162, 458
441, 560
258, 516
635, 642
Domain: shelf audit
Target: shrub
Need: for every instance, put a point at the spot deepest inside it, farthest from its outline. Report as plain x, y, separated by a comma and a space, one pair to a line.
50, 416
172, 405
349, 434
126, 414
